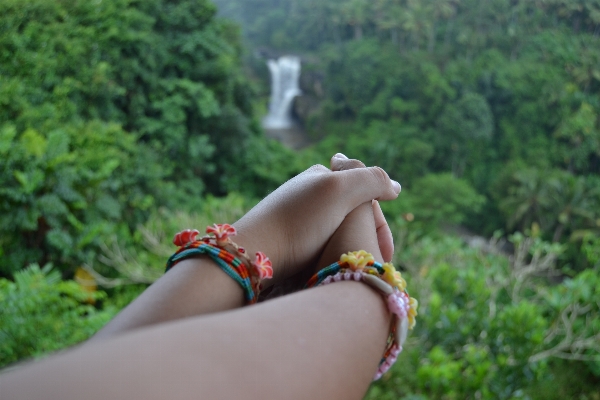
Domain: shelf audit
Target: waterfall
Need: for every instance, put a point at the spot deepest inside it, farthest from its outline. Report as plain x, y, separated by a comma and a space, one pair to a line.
285, 73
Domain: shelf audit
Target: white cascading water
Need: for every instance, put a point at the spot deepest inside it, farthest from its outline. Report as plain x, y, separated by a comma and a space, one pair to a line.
285, 73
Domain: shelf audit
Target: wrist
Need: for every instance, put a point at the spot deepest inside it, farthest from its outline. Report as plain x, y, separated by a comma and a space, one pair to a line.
360, 266
246, 239
232, 258
196, 286
214, 289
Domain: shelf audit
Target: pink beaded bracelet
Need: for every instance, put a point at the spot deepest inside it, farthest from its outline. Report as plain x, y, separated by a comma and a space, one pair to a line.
360, 266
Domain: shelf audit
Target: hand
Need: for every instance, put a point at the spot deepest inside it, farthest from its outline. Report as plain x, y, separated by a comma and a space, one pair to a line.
293, 224
365, 228
340, 162
357, 232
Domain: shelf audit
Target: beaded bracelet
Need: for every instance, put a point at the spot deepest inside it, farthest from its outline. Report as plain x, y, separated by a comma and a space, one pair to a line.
230, 257
361, 266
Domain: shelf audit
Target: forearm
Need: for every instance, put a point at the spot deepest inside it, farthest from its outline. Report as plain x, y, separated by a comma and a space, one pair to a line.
322, 343
193, 287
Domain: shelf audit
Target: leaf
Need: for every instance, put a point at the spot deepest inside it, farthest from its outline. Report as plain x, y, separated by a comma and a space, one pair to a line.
75, 222
21, 177
7, 134
58, 145
29, 181
60, 239
34, 143
108, 205
92, 233
108, 168
51, 204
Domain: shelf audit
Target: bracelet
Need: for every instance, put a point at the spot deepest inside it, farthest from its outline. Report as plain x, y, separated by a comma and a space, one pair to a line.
360, 266
230, 257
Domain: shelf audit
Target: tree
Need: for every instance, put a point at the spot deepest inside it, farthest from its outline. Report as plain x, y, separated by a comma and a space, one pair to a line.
110, 108
528, 200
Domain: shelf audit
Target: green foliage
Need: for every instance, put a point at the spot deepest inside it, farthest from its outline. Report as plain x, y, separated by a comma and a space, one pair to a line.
110, 109
488, 339
66, 188
167, 71
464, 128
139, 258
268, 164
487, 327
591, 249
579, 138
42, 313
399, 150
434, 201
465, 87
558, 202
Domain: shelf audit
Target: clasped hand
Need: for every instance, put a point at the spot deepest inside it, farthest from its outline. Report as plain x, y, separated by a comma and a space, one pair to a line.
303, 226
321, 213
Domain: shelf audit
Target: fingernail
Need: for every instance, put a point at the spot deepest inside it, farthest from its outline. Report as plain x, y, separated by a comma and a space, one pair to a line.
397, 187
340, 155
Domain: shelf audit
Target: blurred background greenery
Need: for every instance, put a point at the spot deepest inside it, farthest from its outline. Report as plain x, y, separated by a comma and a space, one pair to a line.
124, 121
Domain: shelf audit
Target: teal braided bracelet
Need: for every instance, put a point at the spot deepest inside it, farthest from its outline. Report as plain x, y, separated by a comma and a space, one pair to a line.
219, 247
231, 265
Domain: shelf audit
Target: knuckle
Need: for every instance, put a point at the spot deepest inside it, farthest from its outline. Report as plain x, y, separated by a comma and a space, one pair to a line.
352, 164
331, 182
380, 175
318, 168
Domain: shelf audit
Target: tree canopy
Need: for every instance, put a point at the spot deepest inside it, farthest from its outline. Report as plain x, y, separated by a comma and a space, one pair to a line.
490, 91
111, 108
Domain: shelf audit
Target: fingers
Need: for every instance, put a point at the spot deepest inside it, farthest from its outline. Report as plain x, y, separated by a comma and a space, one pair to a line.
340, 162
357, 231
316, 197
362, 185
384, 234
361, 216
371, 182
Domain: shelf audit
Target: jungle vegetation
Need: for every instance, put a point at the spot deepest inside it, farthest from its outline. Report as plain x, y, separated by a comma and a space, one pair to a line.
124, 121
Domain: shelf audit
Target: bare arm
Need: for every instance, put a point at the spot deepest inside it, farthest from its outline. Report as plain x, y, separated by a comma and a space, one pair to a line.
194, 287
322, 343
291, 225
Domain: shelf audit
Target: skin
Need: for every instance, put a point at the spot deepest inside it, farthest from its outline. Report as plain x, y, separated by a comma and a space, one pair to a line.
240, 353
287, 348
305, 202
340, 162
318, 197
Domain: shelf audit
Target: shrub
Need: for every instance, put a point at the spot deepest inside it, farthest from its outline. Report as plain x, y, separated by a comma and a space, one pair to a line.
489, 325
41, 313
